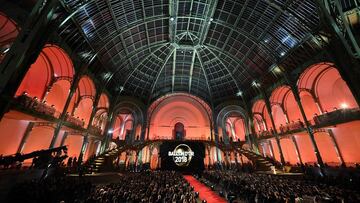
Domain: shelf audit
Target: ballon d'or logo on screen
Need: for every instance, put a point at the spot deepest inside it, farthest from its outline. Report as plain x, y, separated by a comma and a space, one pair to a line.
182, 155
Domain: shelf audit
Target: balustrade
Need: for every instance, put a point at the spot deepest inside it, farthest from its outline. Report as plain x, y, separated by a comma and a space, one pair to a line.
187, 138
75, 121
95, 130
337, 116
263, 134
35, 105
295, 125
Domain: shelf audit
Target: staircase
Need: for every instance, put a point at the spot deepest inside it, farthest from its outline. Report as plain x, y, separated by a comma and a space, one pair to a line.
262, 163
103, 162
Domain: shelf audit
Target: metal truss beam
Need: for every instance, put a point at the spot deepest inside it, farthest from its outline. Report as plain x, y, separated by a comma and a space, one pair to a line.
191, 69
206, 78
173, 72
161, 69
222, 63
173, 8
140, 63
208, 19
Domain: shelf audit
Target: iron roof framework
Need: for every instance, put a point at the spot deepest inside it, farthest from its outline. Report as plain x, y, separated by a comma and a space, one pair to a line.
212, 49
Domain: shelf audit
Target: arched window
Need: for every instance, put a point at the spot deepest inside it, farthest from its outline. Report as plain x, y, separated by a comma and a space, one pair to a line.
179, 131
123, 125
83, 101
327, 88
49, 78
259, 108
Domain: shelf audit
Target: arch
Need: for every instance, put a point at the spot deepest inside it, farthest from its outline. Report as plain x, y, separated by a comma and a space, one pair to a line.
52, 65
232, 119
82, 102
235, 126
123, 125
259, 123
100, 119
279, 116
101, 114
179, 108
134, 111
49, 77
9, 30
325, 82
259, 107
103, 101
309, 104
179, 131
284, 106
284, 97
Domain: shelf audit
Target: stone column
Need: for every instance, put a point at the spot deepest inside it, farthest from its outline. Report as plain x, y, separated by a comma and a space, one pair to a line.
297, 149
336, 146
25, 137
268, 107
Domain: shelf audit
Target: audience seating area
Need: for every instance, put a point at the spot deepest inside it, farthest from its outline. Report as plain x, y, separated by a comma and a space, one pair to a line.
141, 187
33, 103
254, 187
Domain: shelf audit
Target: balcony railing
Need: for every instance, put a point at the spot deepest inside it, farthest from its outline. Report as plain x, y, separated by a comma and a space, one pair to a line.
35, 105
337, 116
293, 126
95, 130
264, 134
75, 121
187, 138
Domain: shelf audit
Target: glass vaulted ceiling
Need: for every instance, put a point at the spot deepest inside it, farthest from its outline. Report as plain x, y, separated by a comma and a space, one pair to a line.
209, 48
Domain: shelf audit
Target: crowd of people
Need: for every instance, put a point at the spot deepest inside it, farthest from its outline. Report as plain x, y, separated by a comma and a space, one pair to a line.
55, 189
254, 187
148, 186
157, 187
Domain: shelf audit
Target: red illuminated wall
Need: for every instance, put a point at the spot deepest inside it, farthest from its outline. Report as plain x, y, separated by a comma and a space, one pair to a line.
12, 131
40, 138
52, 63
74, 143
323, 83
122, 124
289, 151
180, 109
324, 80
326, 148
259, 108
236, 128
347, 136
276, 149
279, 116
306, 148
82, 102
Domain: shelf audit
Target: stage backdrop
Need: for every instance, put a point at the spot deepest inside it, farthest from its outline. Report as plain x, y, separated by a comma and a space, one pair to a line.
183, 156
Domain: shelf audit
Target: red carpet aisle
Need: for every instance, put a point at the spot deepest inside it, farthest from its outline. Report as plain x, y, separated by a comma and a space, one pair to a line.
204, 192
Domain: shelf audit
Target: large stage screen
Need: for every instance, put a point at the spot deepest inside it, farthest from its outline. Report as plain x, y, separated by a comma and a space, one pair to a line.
183, 156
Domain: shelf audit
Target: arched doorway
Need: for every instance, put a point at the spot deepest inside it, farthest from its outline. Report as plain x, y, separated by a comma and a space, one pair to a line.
179, 131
